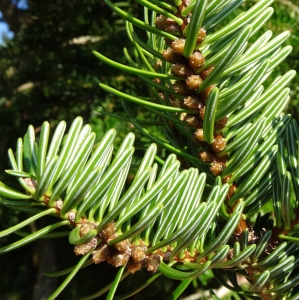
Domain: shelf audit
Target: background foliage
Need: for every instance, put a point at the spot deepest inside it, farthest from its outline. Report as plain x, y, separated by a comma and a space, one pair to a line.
47, 72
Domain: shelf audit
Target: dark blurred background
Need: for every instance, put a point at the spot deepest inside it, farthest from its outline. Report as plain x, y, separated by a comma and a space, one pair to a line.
48, 72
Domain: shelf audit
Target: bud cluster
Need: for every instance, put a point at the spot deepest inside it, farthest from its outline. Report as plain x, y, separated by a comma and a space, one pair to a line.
192, 74
125, 253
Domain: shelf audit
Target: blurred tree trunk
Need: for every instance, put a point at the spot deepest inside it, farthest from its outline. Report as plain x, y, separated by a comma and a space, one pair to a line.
13, 16
45, 261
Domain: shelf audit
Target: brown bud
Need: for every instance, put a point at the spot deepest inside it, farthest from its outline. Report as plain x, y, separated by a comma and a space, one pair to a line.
86, 227
162, 97
119, 259
157, 80
216, 168
205, 73
193, 121
231, 191
30, 182
193, 82
180, 69
163, 22
193, 103
166, 256
219, 143
206, 156
111, 237
207, 91
158, 63
101, 253
123, 246
173, 28
71, 216
221, 123
184, 4
85, 248
174, 103
198, 134
138, 253
153, 263
202, 112
133, 266
226, 179
178, 46
201, 35
58, 204
108, 231
170, 56
196, 60
180, 88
